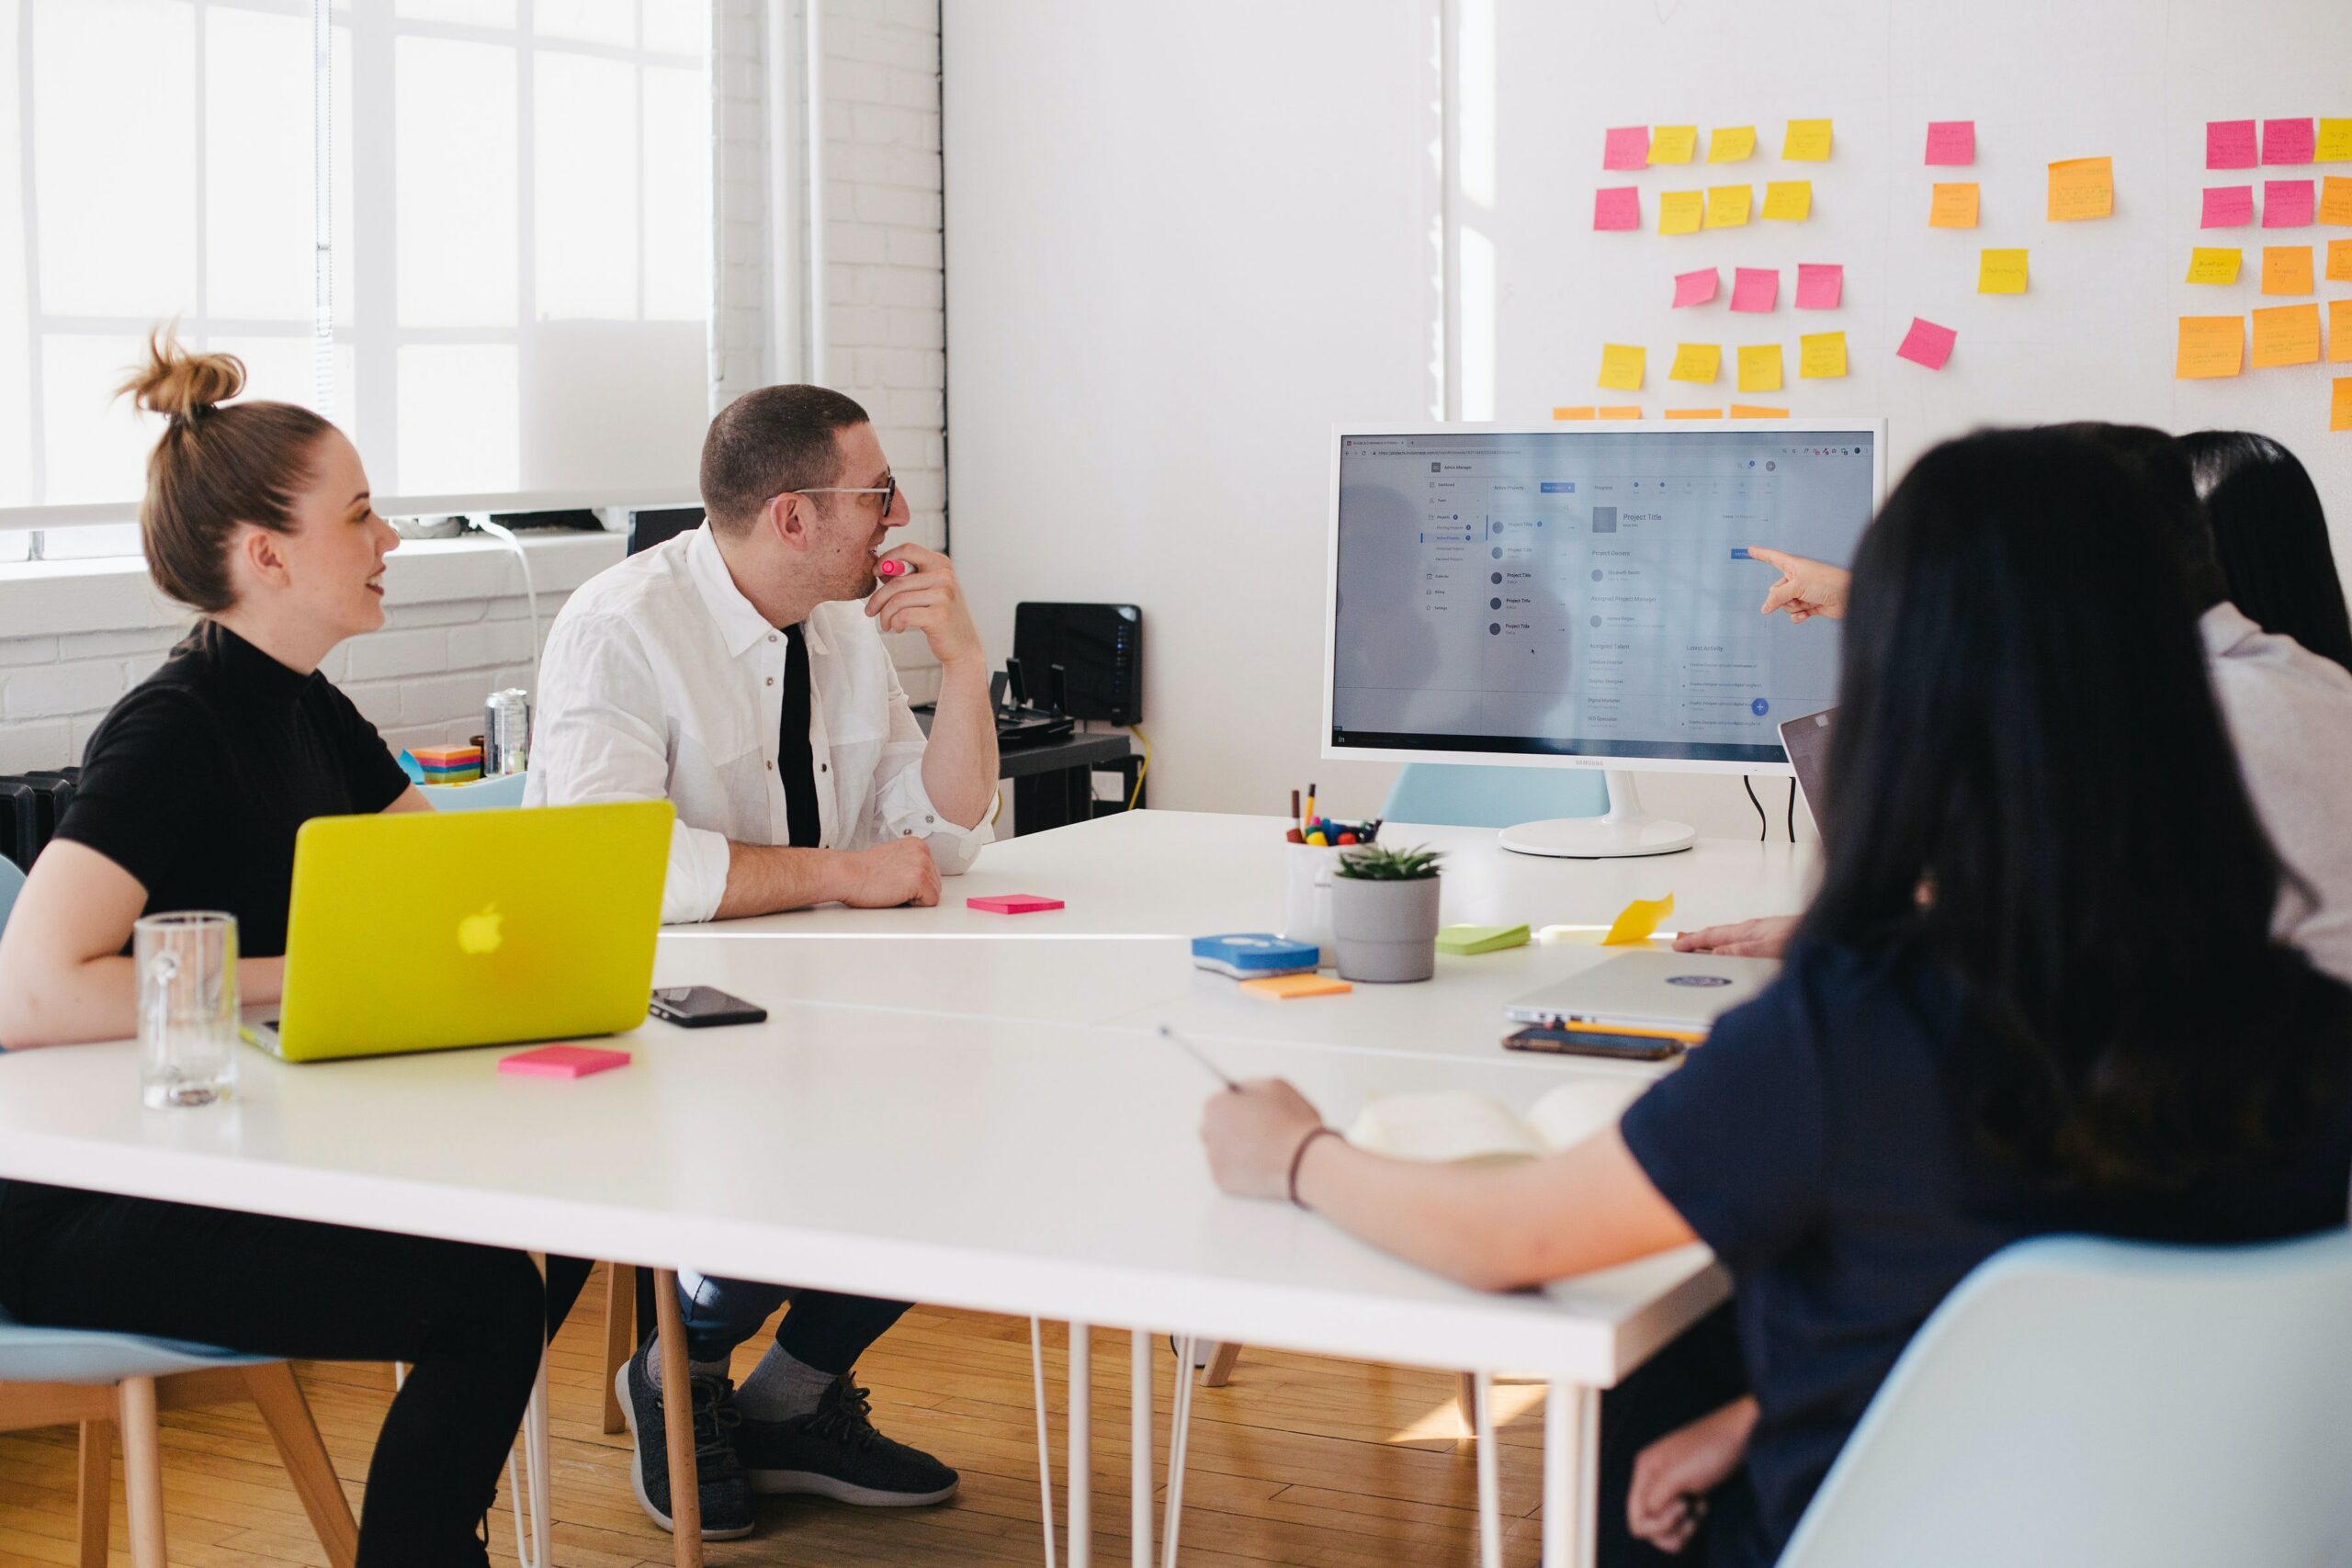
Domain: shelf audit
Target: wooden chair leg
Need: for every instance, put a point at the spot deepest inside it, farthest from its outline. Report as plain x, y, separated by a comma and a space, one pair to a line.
1466, 1402
304, 1455
678, 1418
142, 1470
1220, 1367
620, 1340
97, 1492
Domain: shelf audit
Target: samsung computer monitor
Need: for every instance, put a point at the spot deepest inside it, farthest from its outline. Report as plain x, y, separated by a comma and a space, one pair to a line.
1581, 596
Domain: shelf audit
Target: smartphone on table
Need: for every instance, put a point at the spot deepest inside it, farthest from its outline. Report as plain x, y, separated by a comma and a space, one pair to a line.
704, 1007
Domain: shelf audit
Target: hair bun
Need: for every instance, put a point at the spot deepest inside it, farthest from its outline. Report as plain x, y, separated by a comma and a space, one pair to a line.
180, 385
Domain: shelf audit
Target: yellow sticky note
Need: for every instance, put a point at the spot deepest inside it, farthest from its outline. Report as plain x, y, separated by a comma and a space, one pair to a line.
1694, 413
1728, 205
2335, 144
1696, 362
1583, 412
1759, 367
1952, 206
2209, 346
1681, 212
1284, 988
1806, 142
1621, 366
2335, 200
2339, 332
2001, 272
2082, 188
2339, 261
1757, 411
1731, 144
1637, 920
1620, 411
2286, 269
1820, 355
2213, 264
1788, 201
2339, 411
2286, 334
1673, 143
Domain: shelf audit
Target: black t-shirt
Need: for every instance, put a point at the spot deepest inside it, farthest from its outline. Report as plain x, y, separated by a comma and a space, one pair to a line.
196, 781
1819, 1143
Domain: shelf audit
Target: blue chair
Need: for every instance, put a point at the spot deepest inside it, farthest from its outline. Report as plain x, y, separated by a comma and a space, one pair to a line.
12, 882
1456, 794
501, 794
2078, 1402
52, 1376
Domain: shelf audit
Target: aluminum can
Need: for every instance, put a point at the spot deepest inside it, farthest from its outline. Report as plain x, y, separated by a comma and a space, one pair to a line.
506, 732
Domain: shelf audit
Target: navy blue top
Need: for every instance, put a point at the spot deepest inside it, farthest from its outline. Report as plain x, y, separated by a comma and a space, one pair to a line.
1819, 1144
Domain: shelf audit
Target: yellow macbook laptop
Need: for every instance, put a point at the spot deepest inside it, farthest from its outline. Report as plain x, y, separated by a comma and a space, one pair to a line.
422, 931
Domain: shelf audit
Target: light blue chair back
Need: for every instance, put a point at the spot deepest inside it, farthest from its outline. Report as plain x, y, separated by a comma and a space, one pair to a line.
1457, 795
501, 794
88, 1356
12, 882
2083, 1403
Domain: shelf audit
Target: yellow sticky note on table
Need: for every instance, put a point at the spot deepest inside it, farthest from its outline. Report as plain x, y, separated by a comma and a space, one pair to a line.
2335, 200
1583, 412
1788, 201
1757, 411
1681, 212
2286, 269
2209, 346
1673, 143
1820, 355
2213, 264
1620, 411
1952, 206
2339, 412
1759, 367
1637, 920
2339, 332
1728, 205
2082, 188
2335, 143
2339, 261
2001, 272
2286, 334
1622, 364
1285, 988
1731, 144
1696, 362
1807, 142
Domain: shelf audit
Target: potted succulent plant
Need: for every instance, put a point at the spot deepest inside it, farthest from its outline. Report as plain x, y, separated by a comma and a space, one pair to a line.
1384, 914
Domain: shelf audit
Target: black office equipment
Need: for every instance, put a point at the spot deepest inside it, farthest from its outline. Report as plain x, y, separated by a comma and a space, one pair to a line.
647, 529
31, 806
1100, 647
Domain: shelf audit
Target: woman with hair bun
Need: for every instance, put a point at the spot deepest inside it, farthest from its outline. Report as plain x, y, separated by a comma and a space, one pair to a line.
257, 516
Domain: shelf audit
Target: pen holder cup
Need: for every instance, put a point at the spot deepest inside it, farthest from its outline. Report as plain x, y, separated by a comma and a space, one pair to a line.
1385, 932
1307, 894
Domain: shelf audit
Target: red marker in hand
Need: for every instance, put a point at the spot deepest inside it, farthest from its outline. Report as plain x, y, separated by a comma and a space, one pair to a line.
887, 570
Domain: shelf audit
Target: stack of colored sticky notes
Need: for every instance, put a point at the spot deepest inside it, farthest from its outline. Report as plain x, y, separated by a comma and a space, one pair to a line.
1288, 987
1248, 955
448, 764
1467, 939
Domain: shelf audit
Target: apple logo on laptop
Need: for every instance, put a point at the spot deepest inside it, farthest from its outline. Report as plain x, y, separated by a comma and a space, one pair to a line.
479, 934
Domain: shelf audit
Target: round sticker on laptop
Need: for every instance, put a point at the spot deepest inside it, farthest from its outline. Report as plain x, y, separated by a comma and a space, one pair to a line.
1698, 979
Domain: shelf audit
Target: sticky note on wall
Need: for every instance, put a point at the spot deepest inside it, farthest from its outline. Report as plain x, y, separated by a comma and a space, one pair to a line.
1620, 411
2227, 207
1694, 413
1681, 212
1696, 287
2082, 188
1728, 205
1580, 412
1756, 288
2209, 346
1820, 355
2335, 200
2286, 204
2286, 334
2335, 143
2228, 144
1626, 147
1759, 367
2339, 408
1807, 142
1950, 142
1788, 201
1757, 411
1952, 206
1697, 362
1621, 366
2339, 261
1673, 143
2213, 264
2287, 269
1731, 144
2339, 332
2001, 272
2286, 142
1820, 285
1617, 206
1926, 343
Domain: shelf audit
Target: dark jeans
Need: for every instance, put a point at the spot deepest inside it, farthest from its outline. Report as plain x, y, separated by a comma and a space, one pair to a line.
1697, 1375
471, 1320
824, 1330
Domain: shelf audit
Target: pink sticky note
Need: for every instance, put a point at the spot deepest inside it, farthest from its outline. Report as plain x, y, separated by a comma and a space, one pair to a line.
562, 1061
1819, 284
1756, 288
1926, 343
2228, 207
2286, 142
1695, 288
1617, 206
1628, 147
1951, 142
1013, 904
2286, 204
2228, 144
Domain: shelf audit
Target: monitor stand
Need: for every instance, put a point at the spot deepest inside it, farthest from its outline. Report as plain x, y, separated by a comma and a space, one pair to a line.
1624, 829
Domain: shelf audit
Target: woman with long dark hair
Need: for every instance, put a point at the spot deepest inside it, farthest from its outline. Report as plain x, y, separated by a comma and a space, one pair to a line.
2004, 1015
2271, 534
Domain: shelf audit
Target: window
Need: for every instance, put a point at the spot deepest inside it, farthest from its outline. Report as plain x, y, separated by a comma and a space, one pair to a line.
519, 269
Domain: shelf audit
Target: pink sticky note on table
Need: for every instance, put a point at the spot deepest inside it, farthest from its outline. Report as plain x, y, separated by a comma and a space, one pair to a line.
1926, 343
1756, 288
2228, 144
1819, 284
562, 1061
1617, 206
1012, 904
1628, 147
1951, 142
2286, 204
2286, 142
1695, 288
2228, 207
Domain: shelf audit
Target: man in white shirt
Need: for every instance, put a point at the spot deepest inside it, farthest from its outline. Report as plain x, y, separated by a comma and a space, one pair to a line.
734, 673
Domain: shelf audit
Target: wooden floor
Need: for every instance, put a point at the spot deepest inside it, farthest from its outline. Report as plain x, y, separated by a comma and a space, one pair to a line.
1298, 1459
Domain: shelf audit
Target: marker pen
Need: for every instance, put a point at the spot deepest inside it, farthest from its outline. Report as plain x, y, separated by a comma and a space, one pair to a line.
888, 570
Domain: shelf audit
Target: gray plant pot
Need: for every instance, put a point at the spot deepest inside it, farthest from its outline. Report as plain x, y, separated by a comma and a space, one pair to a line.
1385, 930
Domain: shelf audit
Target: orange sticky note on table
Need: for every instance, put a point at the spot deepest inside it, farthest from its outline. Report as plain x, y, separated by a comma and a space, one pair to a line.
2286, 269
2213, 264
1697, 362
2339, 332
2286, 334
1952, 206
1637, 920
2339, 261
1757, 411
2001, 272
1682, 212
2339, 412
1728, 205
2082, 188
1673, 143
2335, 200
1621, 366
1820, 355
1788, 201
1694, 413
1583, 412
1620, 411
1288, 987
2209, 346
1807, 142
1759, 367
1731, 144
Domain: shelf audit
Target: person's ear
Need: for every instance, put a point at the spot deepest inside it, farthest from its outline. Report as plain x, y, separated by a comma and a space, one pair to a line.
263, 555
787, 517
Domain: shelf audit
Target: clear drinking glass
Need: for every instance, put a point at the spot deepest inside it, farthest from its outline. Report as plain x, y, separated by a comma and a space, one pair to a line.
187, 1006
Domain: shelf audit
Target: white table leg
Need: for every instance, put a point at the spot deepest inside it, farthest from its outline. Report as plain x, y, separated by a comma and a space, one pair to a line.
1490, 1507
1045, 1446
1571, 1474
1140, 1437
1081, 1439
1180, 1429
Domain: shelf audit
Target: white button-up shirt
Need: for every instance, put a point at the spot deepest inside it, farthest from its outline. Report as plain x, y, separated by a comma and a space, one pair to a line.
661, 681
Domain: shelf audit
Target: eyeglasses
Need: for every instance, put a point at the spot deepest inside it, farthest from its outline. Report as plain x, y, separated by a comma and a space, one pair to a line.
888, 492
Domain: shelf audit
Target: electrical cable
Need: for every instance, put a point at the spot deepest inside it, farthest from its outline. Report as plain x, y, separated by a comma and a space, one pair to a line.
1136, 794
530, 592
1763, 823
1792, 811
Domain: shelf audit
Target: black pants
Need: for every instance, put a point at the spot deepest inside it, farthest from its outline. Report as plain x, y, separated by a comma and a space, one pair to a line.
471, 1320
1697, 1375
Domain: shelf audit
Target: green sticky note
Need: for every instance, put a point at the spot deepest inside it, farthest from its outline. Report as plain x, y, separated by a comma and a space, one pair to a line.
1467, 939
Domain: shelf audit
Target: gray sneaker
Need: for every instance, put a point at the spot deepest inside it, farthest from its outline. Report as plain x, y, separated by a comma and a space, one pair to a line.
725, 1496
834, 1452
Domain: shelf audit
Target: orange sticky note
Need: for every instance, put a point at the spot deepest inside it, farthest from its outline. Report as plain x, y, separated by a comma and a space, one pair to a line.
1621, 366
1728, 205
1731, 144
2082, 188
1681, 212
2001, 272
1673, 143
1788, 201
1694, 413
2213, 264
2339, 261
1696, 362
1807, 142
1637, 919
1287, 987
2286, 334
2335, 200
1759, 367
1620, 411
2339, 332
2339, 412
2286, 269
1952, 206
1820, 355
1583, 412
2209, 346
1757, 411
